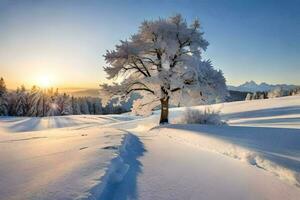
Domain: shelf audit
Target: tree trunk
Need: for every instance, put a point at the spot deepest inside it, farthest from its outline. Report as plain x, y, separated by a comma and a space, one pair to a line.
164, 113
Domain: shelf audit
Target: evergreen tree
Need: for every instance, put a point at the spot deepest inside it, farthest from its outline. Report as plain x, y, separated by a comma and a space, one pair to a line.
97, 106
21, 101
3, 98
248, 97
36, 102
64, 104
84, 107
75, 106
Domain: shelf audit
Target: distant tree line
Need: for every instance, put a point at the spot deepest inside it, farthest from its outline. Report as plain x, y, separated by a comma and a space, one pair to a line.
276, 92
236, 96
38, 102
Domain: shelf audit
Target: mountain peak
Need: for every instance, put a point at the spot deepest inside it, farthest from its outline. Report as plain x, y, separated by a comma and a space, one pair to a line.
252, 86
249, 84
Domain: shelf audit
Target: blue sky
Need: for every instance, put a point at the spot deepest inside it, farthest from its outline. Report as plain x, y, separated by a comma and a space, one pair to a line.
249, 39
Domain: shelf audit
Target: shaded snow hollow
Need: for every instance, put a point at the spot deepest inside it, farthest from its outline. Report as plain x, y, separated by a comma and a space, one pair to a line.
124, 157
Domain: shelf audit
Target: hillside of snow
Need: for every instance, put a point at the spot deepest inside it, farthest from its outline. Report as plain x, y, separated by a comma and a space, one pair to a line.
255, 156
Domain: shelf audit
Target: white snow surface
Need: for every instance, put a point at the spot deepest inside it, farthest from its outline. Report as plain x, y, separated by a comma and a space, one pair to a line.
255, 156
42, 160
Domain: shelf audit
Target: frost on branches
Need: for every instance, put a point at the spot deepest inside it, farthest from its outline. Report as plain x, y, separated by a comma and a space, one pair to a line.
163, 63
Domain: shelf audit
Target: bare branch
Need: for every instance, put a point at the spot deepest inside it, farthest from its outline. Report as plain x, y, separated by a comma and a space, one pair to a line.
140, 70
141, 61
175, 89
139, 89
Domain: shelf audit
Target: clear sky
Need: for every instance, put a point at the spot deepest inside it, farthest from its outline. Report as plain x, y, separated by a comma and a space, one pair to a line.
65, 40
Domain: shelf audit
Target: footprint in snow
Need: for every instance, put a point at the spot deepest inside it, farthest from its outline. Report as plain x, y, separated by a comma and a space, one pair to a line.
110, 147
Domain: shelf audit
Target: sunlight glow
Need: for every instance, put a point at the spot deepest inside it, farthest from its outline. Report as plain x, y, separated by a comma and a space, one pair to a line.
44, 81
53, 106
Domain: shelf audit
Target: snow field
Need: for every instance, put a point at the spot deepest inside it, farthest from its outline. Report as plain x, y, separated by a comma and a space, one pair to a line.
173, 169
254, 157
127, 157
61, 163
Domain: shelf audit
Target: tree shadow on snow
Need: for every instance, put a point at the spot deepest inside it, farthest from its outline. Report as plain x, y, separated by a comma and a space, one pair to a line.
278, 121
263, 113
27, 124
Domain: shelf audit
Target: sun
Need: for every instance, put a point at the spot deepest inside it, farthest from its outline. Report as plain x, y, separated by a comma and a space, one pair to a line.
44, 81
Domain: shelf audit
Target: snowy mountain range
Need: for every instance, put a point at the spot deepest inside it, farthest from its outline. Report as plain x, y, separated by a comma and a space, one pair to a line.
252, 86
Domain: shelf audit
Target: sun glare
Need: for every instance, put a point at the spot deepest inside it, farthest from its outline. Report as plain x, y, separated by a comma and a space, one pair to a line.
44, 81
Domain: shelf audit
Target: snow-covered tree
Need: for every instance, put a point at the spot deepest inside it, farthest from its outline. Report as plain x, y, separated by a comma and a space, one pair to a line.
94, 105
248, 97
3, 98
295, 91
277, 92
163, 63
262, 95
12, 101
97, 106
21, 101
64, 105
36, 102
84, 107
75, 106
